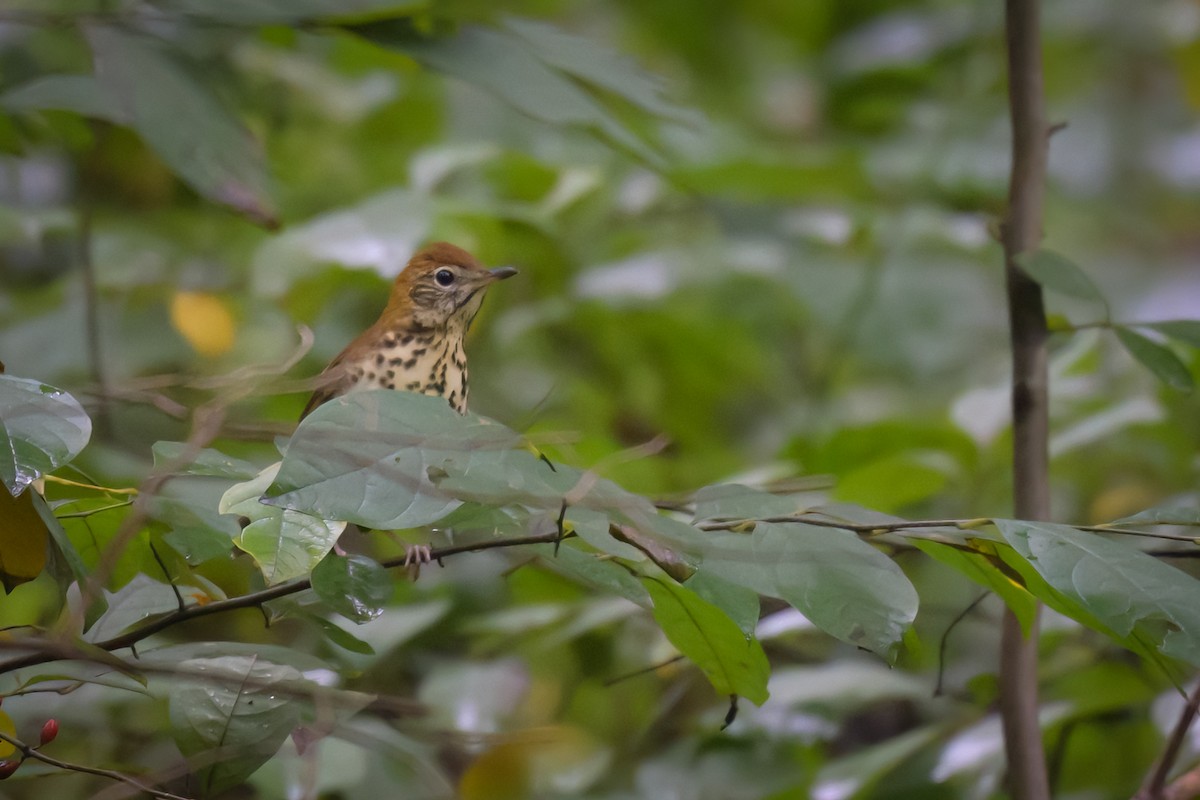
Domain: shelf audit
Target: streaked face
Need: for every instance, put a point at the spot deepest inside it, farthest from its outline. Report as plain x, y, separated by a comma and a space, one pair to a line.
446, 294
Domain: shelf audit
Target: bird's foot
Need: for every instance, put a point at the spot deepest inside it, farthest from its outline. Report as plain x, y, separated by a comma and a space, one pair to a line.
415, 555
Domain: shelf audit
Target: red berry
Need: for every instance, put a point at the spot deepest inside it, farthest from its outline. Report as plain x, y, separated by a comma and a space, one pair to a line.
49, 731
7, 768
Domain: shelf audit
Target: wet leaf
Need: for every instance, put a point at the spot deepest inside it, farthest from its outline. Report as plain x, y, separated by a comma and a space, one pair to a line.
41, 428
234, 717
354, 586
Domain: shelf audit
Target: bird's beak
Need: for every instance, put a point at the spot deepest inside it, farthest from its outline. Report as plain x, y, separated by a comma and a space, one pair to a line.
500, 273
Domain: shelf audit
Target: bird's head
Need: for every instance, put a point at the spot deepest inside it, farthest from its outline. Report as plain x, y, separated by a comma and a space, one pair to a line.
443, 286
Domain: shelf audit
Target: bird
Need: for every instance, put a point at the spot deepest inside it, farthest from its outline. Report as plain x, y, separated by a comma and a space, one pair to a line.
416, 345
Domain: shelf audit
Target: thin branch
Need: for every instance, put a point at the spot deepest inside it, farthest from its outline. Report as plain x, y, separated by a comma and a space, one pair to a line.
1156, 780
945, 639
91, 317
1022, 232
644, 670
874, 528
48, 654
28, 751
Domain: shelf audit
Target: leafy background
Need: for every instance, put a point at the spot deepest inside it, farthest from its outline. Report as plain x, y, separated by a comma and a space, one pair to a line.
759, 235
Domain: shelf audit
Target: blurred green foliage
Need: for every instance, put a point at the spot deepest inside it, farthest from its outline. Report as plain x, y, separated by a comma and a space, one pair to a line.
761, 231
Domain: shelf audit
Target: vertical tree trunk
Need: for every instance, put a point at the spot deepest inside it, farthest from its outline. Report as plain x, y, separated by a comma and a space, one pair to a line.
1022, 231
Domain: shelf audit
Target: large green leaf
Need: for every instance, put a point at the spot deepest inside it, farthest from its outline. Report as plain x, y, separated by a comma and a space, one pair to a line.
232, 721
1130, 594
843, 585
368, 458
731, 660
284, 543
388, 459
41, 428
182, 121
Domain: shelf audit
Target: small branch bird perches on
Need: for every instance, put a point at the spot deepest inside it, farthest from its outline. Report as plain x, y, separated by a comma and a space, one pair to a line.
416, 345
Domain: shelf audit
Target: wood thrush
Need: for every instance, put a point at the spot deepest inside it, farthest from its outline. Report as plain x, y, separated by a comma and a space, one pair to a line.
416, 345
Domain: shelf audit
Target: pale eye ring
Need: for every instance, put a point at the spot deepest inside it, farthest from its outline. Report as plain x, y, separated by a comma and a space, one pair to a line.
444, 277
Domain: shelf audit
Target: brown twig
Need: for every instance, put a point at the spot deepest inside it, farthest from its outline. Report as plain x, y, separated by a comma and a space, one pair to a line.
47, 654
28, 751
1154, 787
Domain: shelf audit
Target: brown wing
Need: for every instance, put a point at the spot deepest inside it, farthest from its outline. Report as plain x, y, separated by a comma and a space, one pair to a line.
334, 381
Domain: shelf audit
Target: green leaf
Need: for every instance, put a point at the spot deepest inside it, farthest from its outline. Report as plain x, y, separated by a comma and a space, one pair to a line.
986, 568
733, 662
81, 94
507, 67
182, 121
367, 458
1134, 597
593, 528
141, 598
843, 585
41, 428
282, 12
1183, 330
206, 462
1164, 515
338, 635
891, 483
590, 62
198, 545
848, 776
739, 603
235, 716
284, 543
387, 460
1056, 272
733, 501
601, 573
354, 586
1157, 358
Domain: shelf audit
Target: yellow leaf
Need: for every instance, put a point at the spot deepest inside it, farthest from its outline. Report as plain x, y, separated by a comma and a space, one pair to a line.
204, 320
23, 539
6, 726
501, 773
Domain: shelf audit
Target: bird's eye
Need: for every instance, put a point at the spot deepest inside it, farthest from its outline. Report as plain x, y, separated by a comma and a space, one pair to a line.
444, 277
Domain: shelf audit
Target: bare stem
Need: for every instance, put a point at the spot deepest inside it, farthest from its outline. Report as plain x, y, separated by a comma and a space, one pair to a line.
1155, 785
28, 751
1022, 231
